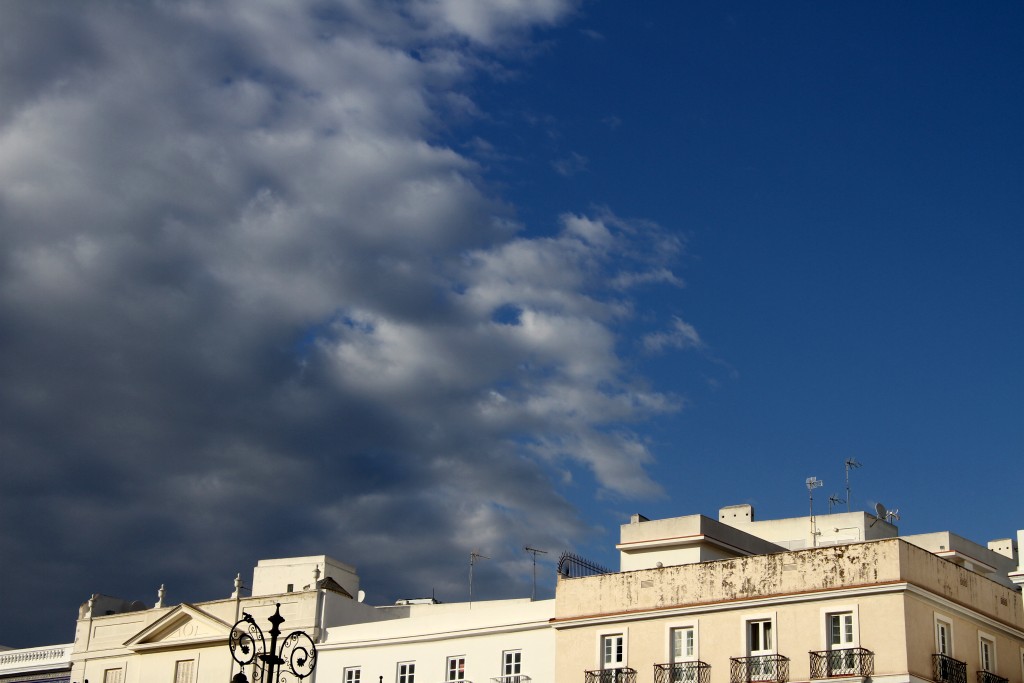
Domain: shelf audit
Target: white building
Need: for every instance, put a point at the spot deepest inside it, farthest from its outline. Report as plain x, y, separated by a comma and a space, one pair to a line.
50, 664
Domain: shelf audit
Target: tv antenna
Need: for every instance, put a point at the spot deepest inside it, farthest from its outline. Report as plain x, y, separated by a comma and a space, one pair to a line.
834, 499
813, 483
851, 464
473, 557
534, 551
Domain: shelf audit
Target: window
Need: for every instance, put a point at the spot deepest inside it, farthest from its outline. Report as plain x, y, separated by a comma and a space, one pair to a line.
511, 662
943, 640
184, 670
353, 674
683, 644
113, 676
759, 639
407, 672
760, 644
987, 646
613, 651
682, 653
840, 627
456, 668
841, 659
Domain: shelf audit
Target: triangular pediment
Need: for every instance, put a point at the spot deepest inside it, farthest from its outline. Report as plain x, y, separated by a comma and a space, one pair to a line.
185, 625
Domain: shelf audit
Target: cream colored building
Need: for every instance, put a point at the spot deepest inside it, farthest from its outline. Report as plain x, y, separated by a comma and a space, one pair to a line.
504, 641
707, 601
696, 600
117, 642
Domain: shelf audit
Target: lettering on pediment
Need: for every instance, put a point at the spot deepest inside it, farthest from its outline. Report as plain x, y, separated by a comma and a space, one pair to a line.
188, 630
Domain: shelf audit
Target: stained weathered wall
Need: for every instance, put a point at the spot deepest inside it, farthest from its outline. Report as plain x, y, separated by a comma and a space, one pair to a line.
727, 580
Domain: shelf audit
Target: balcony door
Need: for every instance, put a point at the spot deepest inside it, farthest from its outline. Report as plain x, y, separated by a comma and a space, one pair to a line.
760, 644
841, 659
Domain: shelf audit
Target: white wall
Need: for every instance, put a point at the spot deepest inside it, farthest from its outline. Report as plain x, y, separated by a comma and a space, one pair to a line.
429, 634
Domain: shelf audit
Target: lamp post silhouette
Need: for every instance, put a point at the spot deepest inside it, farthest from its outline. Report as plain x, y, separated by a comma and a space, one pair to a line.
296, 655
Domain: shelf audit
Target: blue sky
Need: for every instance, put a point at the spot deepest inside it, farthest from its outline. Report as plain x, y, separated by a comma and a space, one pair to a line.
848, 182
397, 281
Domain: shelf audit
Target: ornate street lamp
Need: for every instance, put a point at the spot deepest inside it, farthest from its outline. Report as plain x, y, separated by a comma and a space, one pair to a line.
248, 646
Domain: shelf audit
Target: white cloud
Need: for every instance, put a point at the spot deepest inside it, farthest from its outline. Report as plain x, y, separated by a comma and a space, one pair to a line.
570, 165
681, 335
237, 268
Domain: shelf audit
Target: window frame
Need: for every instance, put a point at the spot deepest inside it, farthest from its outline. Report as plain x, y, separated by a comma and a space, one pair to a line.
348, 677
827, 614
460, 668
770, 619
108, 678
192, 673
677, 627
941, 621
516, 663
405, 672
992, 664
622, 633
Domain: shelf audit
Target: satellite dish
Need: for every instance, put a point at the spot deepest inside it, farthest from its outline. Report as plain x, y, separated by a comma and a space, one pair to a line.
880, 511
360, 596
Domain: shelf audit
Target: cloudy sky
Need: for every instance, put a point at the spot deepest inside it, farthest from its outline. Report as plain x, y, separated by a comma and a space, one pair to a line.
394, 281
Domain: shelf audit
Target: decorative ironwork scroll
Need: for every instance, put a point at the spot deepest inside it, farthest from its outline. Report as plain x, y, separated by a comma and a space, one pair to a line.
296, 656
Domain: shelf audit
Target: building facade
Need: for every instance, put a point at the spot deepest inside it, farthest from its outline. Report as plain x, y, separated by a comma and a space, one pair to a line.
887, 609
696, 600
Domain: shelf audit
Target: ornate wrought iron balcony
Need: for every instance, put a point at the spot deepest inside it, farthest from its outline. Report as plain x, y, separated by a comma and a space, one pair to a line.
945, 669
623, 674
682, 672
853, 661
989, 677
759, 668
511, 678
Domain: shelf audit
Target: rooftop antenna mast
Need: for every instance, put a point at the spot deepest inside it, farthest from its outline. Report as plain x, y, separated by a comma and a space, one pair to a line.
851, 464
834, 499
534, 551
473, 557
813, 483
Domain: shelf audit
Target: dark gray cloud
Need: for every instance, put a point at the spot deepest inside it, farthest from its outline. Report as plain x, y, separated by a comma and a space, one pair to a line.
250, 308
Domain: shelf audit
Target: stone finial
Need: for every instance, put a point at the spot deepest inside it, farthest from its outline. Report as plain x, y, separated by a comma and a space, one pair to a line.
316, 574
238, 586
160, 596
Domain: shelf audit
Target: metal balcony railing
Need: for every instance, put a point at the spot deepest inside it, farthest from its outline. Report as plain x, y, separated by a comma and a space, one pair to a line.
511, 678
759, 668
622, 674
853, 661
682, 672
989, 677
945, 669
